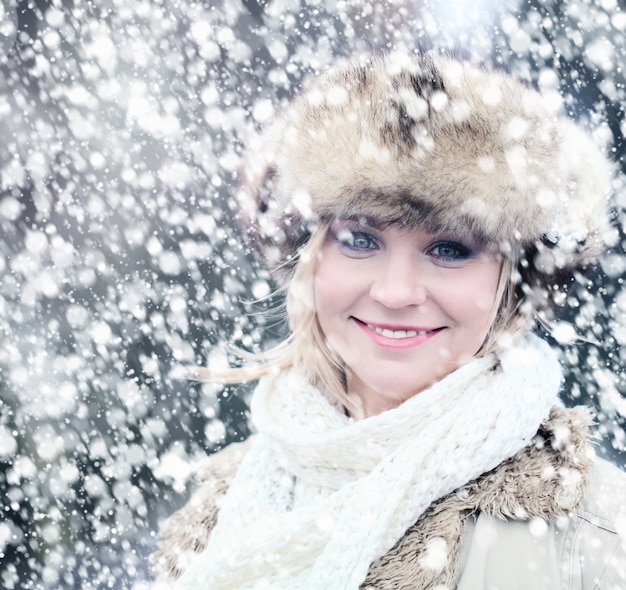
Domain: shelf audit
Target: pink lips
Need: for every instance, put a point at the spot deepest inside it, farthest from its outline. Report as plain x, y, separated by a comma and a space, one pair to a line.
395, 338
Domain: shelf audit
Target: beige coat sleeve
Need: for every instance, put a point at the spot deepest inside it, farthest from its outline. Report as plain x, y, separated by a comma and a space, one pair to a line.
594, 548
584, 552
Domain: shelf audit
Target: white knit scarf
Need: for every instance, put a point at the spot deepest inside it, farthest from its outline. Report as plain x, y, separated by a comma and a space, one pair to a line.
320, 496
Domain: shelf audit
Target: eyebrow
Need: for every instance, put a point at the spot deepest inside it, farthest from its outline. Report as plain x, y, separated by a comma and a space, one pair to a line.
368, 220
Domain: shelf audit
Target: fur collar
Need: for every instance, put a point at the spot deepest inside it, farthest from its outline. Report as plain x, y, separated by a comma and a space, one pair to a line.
547, 479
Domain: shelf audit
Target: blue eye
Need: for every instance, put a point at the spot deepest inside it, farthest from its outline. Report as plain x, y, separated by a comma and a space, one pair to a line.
450, 251
356, 241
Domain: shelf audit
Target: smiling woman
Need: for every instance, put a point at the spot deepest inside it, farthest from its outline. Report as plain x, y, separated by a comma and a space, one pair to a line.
402, 307
422, 215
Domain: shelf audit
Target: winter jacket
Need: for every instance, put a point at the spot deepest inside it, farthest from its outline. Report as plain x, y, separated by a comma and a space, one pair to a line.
553, 517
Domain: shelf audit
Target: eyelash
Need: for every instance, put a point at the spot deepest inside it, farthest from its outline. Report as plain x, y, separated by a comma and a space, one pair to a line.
347, 237
461, 252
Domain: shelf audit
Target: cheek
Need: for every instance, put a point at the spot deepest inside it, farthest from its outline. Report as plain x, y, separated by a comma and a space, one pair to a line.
470, 298
325, 286
484, 301
321, 294
480, 297
335, 283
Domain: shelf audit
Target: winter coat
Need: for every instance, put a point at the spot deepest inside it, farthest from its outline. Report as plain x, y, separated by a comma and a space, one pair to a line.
553, 517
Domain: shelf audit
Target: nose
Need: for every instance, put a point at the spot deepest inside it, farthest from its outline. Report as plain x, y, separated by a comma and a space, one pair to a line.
399, 283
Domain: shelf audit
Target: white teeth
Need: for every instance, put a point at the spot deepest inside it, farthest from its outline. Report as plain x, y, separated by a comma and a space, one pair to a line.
396, 333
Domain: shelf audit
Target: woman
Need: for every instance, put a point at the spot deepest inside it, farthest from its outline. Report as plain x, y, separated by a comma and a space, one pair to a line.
422, 213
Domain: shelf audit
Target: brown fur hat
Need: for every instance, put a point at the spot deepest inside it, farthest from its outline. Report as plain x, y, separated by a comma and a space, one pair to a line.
428, 140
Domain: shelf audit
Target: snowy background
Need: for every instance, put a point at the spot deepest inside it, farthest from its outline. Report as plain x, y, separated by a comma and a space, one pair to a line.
121, 128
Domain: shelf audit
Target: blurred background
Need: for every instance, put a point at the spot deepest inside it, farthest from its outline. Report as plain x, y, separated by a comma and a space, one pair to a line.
121, 128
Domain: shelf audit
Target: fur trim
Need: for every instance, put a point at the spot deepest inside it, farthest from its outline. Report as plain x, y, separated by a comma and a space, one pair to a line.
547, 479
187, 531
428, 140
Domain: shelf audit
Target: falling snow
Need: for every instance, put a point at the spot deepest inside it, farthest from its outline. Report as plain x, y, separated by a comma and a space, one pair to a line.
123, 124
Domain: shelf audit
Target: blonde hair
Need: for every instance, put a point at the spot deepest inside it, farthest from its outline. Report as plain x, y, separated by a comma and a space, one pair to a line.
511, 315
306, 346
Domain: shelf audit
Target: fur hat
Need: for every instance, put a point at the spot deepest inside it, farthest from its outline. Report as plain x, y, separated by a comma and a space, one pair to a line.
433, 141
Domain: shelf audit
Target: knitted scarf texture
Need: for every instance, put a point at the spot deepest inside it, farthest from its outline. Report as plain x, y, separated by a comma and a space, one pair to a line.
319, 496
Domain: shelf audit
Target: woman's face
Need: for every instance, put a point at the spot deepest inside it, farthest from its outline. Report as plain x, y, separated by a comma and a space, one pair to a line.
402, 307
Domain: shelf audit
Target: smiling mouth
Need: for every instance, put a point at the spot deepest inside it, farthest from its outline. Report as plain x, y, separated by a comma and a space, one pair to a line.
398, 334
